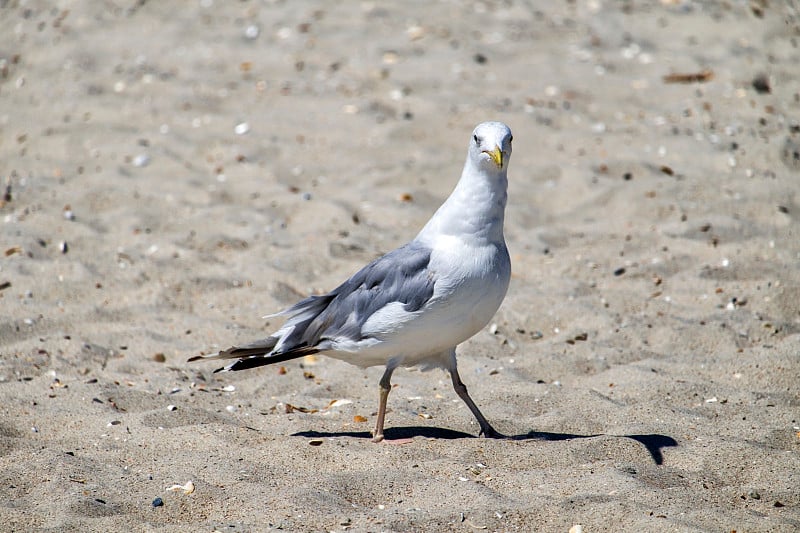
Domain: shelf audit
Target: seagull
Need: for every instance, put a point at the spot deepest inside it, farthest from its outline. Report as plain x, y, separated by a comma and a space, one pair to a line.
416, 304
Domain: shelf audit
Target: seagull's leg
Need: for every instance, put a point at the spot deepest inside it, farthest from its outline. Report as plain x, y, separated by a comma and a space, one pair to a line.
486, 428
385, 385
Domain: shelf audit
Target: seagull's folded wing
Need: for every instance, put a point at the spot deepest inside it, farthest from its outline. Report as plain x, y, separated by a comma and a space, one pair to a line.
401, 277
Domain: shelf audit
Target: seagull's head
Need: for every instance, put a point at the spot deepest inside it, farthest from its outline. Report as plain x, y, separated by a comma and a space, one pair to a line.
491, 145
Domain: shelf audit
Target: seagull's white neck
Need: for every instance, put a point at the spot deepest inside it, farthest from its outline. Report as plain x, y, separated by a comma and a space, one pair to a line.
475, 208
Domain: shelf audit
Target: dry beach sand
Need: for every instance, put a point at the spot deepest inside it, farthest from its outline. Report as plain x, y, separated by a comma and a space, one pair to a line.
173, 171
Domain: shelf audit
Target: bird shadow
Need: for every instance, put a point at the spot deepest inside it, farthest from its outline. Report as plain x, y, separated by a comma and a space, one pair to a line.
393, 433
654, 443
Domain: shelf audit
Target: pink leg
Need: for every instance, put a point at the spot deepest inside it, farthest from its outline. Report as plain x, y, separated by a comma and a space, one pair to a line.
486, 429
386, 386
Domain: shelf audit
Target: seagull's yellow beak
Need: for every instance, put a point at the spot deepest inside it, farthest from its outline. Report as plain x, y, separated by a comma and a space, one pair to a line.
496, 155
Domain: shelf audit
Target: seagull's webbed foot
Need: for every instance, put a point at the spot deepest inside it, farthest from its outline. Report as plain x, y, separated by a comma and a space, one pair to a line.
489, 432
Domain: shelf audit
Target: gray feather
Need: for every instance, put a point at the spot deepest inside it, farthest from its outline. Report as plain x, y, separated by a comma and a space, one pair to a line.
402, 275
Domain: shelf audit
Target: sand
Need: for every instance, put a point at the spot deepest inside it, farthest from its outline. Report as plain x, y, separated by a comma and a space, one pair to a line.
173, 171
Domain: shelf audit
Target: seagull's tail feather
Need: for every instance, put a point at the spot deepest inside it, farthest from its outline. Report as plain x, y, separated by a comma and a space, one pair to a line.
261, 347
256, 360
256, 354
300, 336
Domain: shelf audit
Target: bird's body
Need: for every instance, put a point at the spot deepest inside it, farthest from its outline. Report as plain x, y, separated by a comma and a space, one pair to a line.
414, 305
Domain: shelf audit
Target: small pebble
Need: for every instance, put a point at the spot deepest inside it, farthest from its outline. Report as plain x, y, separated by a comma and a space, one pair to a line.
141, 160
172, 408
761, 84
790, 153
158, 502
63, 246
242, 128
252, 31
186, 488
415, 32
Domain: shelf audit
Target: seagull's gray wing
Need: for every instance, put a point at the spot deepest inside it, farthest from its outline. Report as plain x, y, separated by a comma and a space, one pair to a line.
401, 276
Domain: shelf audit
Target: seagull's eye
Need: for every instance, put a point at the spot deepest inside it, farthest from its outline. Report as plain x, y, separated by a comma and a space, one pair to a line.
510, 138
475, 138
